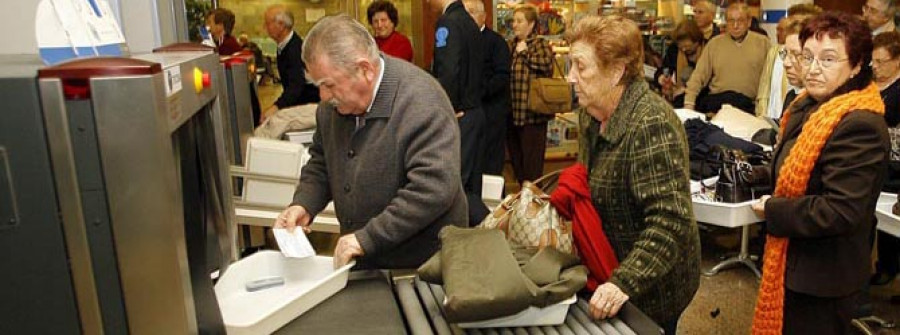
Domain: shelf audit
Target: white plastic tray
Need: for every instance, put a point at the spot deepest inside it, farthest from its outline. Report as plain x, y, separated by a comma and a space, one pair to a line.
532, 316
887, 221
308, 282
725, 214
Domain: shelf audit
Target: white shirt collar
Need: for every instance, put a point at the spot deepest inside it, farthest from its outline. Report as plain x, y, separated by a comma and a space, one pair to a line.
377, 83
284, 42
887, 26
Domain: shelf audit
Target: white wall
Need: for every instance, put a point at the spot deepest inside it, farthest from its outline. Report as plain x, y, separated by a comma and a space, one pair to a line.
17, 25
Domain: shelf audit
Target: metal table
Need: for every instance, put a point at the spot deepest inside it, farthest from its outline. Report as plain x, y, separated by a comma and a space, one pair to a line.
887, 221
731, 216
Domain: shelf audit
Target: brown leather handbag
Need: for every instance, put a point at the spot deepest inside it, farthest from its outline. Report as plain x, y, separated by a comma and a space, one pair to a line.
550, 95
529, 220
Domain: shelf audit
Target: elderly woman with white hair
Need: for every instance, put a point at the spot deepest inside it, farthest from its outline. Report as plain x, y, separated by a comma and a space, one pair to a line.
636, 155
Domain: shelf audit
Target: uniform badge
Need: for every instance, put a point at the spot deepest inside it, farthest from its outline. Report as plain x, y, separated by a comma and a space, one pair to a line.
440, 37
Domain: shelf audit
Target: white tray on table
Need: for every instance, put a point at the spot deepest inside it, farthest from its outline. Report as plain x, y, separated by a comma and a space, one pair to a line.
725, 214
307, 282
887, 221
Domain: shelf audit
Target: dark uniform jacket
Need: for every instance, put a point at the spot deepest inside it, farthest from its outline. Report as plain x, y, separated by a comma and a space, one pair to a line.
291, 70
395, 181
830, 227
458, 59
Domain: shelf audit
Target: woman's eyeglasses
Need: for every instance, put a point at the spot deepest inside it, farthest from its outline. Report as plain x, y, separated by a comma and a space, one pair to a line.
880, 62
825, 62
785, 55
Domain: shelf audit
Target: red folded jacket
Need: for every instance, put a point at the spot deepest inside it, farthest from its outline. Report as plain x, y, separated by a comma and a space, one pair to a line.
572, 199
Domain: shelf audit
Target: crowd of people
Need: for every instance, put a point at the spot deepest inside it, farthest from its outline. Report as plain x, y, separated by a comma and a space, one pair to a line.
401, 150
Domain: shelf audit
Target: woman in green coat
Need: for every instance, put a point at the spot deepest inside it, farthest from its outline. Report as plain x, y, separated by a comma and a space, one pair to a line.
636, 152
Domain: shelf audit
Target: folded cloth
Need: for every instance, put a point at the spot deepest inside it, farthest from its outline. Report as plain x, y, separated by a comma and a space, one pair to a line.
546, 277
572, 200
739, 124
287, 119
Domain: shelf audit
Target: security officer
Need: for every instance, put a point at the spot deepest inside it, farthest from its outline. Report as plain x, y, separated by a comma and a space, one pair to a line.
457, 65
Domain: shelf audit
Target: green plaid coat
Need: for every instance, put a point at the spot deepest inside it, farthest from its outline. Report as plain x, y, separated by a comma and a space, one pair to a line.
639, 180
535, 62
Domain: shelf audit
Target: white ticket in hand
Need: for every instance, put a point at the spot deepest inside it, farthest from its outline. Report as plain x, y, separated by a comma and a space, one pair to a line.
293, 244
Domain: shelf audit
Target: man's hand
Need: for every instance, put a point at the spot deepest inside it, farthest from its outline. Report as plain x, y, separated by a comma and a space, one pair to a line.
759, 207
689, 106
459, 115
267, 113
346, 249
292, 217
664, 80
607, 300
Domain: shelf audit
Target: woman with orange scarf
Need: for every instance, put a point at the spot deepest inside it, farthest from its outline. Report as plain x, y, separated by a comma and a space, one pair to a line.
828, 168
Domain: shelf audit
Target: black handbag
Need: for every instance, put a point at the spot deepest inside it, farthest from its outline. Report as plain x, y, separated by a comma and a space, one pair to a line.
735, 182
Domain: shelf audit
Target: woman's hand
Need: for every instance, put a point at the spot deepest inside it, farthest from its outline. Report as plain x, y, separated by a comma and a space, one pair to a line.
607, 300
521, 46
759, 207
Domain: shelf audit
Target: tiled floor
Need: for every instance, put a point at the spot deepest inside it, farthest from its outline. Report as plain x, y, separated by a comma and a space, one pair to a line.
724, 304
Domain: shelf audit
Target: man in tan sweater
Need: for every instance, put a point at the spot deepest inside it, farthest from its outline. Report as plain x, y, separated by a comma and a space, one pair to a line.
730, 66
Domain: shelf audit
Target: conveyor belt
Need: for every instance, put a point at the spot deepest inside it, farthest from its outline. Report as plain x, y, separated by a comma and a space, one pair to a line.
366, 306
629, 322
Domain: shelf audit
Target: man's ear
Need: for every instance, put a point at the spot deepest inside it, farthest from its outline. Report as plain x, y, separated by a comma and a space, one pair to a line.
367, 67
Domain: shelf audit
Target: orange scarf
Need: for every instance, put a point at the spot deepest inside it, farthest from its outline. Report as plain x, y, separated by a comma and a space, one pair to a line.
793, 178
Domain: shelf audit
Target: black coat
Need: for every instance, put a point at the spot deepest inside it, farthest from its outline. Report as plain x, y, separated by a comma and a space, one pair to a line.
497, 68
458, 59
830, 227
293, 79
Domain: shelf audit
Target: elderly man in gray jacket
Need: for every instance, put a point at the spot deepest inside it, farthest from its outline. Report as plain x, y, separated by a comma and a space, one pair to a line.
386, 150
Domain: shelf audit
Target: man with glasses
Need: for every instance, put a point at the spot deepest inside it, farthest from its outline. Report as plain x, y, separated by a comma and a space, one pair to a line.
886, 71
879, 15
730, 66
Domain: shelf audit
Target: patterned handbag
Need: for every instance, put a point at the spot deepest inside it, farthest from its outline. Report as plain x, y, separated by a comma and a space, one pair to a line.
529, 220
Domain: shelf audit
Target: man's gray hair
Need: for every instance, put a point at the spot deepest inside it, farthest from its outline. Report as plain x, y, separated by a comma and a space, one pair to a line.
708, 5
740, 7
340, 39
284, 15
474, 6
